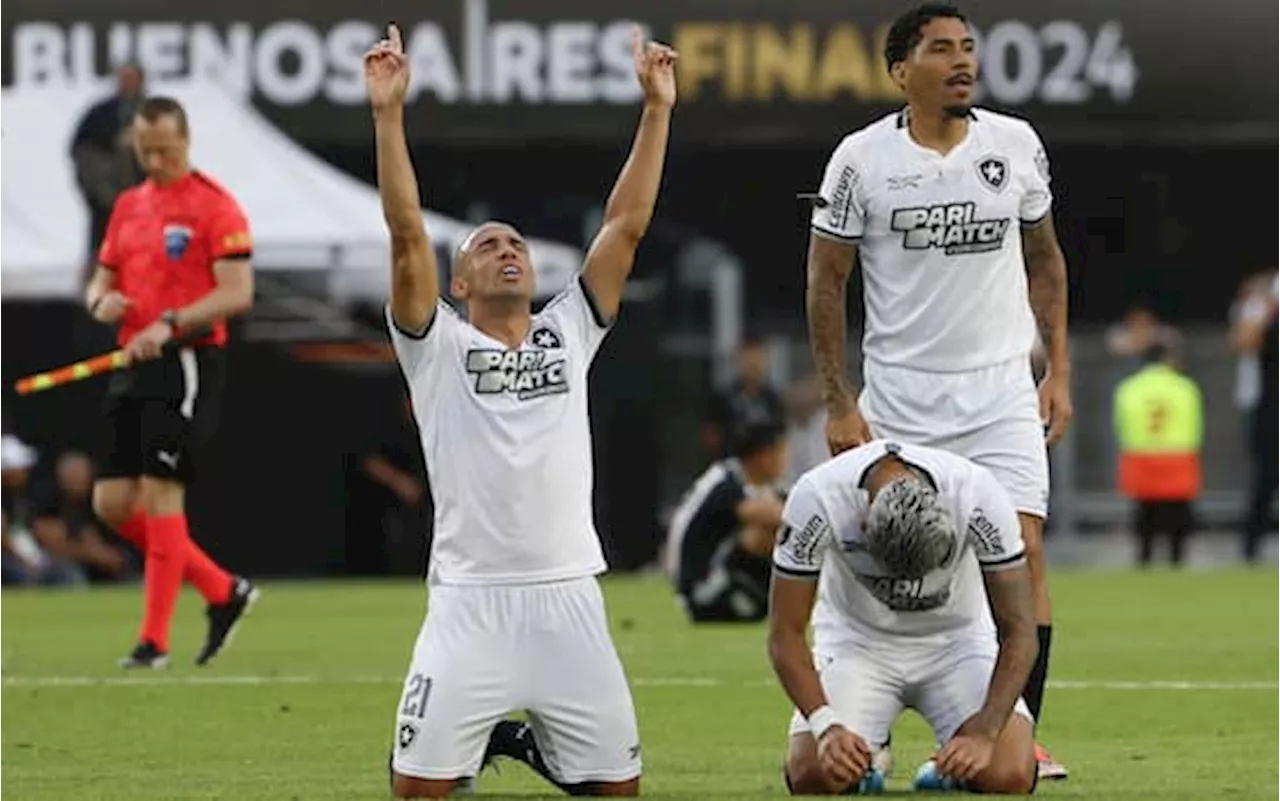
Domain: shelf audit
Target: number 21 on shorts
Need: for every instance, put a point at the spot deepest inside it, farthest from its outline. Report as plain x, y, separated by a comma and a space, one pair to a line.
417, 691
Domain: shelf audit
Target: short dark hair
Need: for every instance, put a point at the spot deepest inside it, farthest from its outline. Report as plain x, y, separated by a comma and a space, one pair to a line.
905, 34
153, 108
750, 437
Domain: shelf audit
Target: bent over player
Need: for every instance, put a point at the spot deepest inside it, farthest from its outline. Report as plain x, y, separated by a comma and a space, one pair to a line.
517, 620
175, 259
949, 210
896, 543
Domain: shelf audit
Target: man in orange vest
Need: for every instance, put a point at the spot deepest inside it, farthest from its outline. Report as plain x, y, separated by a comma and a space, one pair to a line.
1159, 421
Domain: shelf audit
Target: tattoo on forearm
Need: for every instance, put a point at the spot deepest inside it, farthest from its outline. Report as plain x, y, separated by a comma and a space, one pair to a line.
828, 327
1047, 284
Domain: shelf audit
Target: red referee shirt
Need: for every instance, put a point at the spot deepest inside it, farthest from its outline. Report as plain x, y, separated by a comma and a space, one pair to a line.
162, 241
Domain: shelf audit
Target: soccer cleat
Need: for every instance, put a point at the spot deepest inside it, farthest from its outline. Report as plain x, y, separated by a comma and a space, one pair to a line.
1047, 767
224, 618
508, 739
929, 780
145, 655
872, 783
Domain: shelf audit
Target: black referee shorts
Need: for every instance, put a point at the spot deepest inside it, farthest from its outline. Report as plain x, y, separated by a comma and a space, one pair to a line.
161, 413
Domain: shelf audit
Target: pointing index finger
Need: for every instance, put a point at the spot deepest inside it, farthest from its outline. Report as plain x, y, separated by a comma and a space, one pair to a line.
393, 33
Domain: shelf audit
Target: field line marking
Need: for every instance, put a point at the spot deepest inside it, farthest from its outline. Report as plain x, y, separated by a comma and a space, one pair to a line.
160, 680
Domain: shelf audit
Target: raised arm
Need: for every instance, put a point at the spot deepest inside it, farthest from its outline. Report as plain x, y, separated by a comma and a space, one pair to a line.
415, 283
630, 206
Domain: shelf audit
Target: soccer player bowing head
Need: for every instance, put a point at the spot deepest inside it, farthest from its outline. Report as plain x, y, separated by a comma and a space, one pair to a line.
517, 620
900, 546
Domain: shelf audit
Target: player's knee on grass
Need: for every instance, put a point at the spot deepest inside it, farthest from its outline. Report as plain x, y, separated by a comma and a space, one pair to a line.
115, 500
804, 773
628, 788
411, 787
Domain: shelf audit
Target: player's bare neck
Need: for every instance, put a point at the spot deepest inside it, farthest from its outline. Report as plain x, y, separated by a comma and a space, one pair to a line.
509, 324
937, 130
885, 470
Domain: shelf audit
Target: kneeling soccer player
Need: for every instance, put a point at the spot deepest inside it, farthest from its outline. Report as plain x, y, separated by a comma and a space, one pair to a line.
895, 543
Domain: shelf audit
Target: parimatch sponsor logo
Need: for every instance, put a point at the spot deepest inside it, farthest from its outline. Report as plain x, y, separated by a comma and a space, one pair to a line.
953, 228
527, 374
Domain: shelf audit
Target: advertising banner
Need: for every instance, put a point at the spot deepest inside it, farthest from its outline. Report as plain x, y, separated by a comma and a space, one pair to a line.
750, 71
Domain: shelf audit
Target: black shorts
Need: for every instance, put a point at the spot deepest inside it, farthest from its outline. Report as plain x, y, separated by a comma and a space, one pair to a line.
161, 413
734, 590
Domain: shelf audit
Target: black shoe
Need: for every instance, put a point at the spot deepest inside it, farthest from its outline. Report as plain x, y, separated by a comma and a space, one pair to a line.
145, 655
224, 618
508, 739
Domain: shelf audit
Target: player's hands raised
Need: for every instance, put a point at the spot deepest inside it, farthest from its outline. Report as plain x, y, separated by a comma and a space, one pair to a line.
846, 429
386, 71
1055, 404
843, 755
967, 753
656, 69
111, 307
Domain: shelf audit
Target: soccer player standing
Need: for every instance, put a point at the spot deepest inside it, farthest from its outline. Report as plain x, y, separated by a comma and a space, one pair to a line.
175, 259
950, 210
516, 620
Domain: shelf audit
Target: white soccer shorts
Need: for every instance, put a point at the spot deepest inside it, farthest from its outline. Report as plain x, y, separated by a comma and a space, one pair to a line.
869, 685
990, 416
487, 651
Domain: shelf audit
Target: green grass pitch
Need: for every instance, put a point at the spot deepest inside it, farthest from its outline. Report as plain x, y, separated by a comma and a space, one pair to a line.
1164, 686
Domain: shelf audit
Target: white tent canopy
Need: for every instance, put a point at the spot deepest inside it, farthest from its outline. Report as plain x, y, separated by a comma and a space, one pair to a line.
304, 213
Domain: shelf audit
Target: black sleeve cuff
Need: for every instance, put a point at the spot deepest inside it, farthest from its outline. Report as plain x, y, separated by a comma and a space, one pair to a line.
600, 319
792, 573
818, 229
426, 329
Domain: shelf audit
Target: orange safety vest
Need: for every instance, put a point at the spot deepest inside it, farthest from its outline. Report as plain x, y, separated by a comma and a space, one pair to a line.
1159, 420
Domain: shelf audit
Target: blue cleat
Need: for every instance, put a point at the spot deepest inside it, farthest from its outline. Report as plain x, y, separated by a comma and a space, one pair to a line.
928, 779
872, 783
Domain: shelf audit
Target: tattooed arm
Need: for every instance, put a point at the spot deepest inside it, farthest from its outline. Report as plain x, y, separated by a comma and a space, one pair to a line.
837, 225
1047, 284
830, 265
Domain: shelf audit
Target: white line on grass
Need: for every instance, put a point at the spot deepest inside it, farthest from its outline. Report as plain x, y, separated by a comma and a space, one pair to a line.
157, 680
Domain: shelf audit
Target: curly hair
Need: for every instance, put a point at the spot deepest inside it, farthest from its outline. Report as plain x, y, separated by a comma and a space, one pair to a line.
907, 530
905, 34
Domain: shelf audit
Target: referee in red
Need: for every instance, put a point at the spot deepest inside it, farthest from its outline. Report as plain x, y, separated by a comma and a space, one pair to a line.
175, 260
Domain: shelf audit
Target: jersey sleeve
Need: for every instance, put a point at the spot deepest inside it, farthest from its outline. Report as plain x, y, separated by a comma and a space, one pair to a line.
418, 351
993, 529
576, 313
840, 211
1037, 196
228, 231
805, 535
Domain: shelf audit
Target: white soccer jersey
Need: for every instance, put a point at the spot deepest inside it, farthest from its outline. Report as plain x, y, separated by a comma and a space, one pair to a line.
858, 601
939, 238
507, 442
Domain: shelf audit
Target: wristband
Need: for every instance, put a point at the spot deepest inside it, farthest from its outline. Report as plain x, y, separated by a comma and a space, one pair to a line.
822, 719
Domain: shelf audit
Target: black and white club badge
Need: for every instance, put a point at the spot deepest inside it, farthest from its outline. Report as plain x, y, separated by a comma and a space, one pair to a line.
406, 735
546, 338
994, 172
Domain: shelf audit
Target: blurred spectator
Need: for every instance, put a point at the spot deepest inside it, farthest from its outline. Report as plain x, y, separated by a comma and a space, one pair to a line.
749, 398
1159, 420
1247, 317
24, 561
1137, 331
103, 155
721, 536
1261, 336
67, 529
388, 503
807, 419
